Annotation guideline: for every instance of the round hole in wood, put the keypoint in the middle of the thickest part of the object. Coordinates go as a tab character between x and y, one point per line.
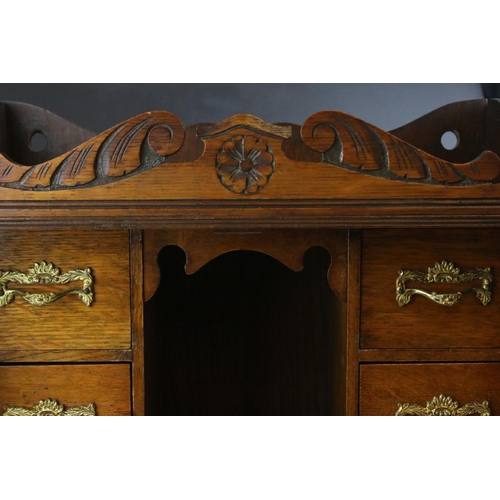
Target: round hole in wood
450	140
38	141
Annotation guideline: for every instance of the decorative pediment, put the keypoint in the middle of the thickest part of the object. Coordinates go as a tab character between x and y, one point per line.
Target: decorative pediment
335	170
244	152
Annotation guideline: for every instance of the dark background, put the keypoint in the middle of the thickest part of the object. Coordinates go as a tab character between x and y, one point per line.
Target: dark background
100	106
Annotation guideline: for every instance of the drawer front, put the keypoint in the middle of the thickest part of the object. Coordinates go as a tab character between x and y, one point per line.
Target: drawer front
418	387
423	323
65	388
66	323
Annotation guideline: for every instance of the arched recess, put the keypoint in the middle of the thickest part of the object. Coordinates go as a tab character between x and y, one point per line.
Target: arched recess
286	245
244	335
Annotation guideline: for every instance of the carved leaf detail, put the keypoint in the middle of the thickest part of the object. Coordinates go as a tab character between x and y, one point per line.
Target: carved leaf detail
132	147
353	144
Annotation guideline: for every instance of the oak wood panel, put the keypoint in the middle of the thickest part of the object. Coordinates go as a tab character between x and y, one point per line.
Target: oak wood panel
352	324
18	122
82	355
148	141
292	180
107	386
418	355
137	304
182	185
383	386
469	119
340	355
423	324
316	214
68	323
288	246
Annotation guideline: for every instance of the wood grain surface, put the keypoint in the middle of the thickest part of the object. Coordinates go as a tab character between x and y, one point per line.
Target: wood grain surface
219	301
474	122
68	323
383	386
288	246
66	356
107	386
142	173
137	308
423	324
352	325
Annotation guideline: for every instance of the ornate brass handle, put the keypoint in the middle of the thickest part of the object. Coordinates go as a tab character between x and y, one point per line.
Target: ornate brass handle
50	408
443	406
45	273
444	272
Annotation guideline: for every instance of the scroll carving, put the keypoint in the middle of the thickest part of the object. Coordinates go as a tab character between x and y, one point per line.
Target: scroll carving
50	408
351	143
134	146
245	161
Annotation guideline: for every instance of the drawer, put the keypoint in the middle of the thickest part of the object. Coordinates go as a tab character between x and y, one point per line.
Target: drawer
107	387
66	323
423	323
419	386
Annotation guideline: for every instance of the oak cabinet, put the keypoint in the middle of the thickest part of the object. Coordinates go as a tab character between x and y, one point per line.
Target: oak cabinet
247	268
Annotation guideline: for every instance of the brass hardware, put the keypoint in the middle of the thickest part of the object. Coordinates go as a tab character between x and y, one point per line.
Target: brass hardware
444	272
50	408
45	273
443	406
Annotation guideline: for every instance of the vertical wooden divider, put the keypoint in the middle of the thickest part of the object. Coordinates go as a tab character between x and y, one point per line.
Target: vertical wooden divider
353	319
137	316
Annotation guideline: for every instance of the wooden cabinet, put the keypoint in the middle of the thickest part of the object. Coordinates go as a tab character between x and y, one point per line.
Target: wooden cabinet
250	268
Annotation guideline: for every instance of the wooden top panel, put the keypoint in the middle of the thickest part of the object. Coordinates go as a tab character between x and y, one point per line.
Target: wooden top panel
152	162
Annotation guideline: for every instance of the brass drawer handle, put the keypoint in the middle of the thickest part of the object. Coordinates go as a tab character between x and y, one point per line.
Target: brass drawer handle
45	273
444	272
443	406
50	408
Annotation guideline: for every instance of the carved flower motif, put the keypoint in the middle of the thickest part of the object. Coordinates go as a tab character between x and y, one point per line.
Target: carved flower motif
245	164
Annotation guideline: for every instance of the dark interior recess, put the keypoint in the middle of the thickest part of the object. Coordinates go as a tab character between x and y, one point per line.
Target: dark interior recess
244	335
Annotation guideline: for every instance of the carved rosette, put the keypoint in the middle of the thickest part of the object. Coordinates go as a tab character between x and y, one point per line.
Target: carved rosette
245	164
50	408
